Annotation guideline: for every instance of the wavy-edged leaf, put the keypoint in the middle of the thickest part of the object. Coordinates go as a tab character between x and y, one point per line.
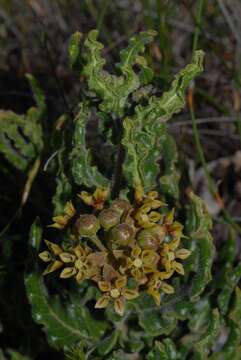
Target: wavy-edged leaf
21	138
108	343
65	323
229	281
62	329
114	90
142	144
202	347
145	132
165	350
84	173
231	348
155	323
169	180
198	224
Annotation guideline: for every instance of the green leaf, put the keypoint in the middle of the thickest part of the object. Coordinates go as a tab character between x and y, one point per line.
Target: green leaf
229	275
169	181
114	90
154	323
142	152
165	350
198	225
62	328
199	316
231	348
38	95
62	193
145	133
202	347
84	173
230	280
65	323
21	137
108	343
74	48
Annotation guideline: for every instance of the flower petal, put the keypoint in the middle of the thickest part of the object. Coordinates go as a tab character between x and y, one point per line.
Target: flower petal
130	294
168	220
121	282
119	306
80	276
67	257
182	254
54	248
67	272
102	302
52	267
45	256
178	268
156	296
163	275
69	209
104	286
166	288
79	251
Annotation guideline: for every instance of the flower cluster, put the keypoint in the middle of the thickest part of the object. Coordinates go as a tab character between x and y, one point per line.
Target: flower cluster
124	249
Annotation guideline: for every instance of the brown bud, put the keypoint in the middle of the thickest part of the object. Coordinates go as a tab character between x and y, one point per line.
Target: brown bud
122	234
121	205
151	238
87	225
109	218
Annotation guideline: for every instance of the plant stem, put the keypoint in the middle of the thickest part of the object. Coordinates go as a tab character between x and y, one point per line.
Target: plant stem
95	240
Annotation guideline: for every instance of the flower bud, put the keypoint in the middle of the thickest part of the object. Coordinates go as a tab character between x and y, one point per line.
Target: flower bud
150	239
121	205
109	218
87	225
122	234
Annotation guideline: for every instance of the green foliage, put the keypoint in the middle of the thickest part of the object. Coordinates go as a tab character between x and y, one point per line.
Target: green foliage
113	90
145	137
83	171
65	325
21	137
74	48
132	125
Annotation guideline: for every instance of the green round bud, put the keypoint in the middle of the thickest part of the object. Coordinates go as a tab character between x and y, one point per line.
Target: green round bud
151	238
109	218
122	234
121	205
87	225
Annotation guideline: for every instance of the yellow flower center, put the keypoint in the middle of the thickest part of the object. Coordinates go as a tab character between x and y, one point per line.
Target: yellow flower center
115	293
137	263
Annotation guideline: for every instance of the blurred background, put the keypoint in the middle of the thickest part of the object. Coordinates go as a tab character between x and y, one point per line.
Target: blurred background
34	38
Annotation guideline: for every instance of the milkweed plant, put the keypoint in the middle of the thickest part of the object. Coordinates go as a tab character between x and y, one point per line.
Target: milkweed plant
126	267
